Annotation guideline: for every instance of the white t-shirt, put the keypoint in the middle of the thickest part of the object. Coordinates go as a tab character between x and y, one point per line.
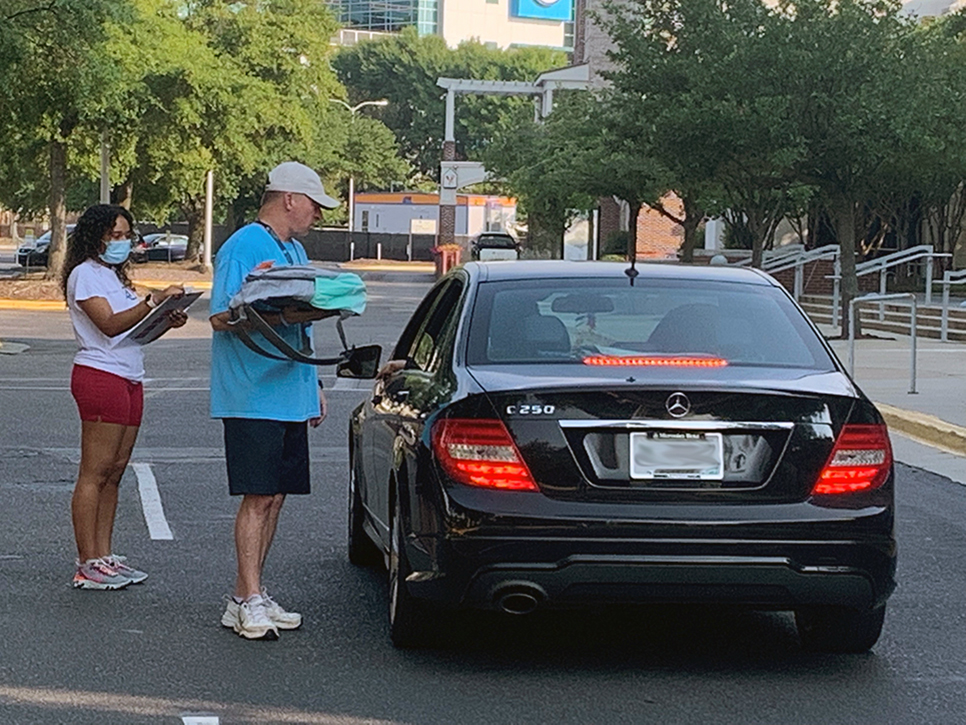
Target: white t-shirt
97	350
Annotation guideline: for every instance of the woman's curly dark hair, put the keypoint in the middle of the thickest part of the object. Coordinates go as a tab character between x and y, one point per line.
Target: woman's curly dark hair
85	241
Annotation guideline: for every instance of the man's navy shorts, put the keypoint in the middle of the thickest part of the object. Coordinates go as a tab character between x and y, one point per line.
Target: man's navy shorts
266	457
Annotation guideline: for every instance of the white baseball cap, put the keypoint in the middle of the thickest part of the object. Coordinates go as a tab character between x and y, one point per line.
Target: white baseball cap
298	178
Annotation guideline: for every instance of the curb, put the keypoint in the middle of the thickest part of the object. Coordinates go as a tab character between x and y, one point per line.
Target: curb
162	283
54	305
925	428
375	271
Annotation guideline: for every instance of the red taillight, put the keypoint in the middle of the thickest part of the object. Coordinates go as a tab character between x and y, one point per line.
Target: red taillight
480	453
860	461
655	361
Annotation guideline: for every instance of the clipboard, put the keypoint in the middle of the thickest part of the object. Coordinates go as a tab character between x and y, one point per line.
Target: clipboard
156	323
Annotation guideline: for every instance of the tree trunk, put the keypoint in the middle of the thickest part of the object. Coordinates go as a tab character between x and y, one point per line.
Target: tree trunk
635	210
235	218
545	236
122	194
58	209
693	216
194	212
842	210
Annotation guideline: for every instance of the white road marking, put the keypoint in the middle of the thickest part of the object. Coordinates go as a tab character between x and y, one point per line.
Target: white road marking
199	720
346	384
151	503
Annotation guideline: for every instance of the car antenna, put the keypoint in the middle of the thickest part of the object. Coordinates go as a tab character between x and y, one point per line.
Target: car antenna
631	271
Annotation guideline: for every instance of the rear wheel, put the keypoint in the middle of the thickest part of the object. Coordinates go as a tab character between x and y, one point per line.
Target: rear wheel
838	629
362	552
411	621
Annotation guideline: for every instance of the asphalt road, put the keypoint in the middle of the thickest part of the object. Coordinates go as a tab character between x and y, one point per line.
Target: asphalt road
156	653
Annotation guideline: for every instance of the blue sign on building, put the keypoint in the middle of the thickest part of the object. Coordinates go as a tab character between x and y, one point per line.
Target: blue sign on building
542	9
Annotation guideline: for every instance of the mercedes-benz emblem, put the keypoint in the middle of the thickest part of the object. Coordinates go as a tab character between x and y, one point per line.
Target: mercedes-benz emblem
678	405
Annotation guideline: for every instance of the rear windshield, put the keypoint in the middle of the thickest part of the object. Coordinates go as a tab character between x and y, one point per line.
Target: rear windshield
497	241
564	321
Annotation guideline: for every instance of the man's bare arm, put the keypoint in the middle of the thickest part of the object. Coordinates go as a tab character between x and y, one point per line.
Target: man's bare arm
288	316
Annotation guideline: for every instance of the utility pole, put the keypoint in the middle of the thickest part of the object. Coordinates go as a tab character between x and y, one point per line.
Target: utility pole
105	170
352	186
209	207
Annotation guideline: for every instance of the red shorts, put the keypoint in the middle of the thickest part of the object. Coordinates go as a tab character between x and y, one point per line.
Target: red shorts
104	397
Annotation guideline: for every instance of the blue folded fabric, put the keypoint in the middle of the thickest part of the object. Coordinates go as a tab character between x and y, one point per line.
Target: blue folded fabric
345	291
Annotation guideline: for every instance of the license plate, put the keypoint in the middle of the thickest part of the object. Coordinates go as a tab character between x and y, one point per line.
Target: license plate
693	456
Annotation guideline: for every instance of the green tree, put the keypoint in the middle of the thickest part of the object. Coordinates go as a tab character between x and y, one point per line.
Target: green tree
566	162
403	68
229	86
58	85
857	77
688	88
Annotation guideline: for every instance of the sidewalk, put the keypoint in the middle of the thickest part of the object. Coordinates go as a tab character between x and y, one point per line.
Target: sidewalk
935	415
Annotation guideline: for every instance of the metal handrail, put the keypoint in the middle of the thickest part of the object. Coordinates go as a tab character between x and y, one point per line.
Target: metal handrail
883	263
774	256
878	297
902	257
949	278
811	255
896	258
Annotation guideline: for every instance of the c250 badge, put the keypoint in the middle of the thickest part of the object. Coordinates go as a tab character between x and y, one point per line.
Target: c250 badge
530	409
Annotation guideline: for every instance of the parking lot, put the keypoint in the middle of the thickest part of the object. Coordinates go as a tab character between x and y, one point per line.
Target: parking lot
156	653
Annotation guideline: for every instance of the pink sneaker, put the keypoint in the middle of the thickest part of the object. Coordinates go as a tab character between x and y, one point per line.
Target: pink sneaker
119	564
96	574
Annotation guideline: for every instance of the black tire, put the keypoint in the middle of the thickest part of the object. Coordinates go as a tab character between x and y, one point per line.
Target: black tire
411	621
362	550
838	629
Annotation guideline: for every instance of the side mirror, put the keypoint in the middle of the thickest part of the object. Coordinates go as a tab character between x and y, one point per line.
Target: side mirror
360	362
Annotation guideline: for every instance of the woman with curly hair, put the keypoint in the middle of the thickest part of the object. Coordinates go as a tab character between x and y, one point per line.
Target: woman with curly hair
105	382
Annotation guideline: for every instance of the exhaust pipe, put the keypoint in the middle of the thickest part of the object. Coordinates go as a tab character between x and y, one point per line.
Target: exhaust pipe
519	599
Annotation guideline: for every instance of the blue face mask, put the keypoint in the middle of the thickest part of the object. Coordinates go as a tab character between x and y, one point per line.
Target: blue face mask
116	252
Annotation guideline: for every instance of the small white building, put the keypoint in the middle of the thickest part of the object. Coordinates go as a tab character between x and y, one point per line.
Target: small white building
418	213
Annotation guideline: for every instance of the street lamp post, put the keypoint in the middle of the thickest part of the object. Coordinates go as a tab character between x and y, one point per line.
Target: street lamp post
352	187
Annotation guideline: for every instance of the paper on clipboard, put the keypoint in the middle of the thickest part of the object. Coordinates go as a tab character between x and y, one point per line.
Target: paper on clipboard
157	323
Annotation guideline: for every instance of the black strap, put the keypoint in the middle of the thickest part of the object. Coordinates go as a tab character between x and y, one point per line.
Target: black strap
277	341
278	241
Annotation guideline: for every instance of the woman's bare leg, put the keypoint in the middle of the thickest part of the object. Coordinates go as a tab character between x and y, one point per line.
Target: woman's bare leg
100	444
107	503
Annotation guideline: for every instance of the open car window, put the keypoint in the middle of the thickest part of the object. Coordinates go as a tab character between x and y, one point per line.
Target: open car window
564	321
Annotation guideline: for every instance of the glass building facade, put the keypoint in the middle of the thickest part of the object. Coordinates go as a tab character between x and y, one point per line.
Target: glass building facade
388	16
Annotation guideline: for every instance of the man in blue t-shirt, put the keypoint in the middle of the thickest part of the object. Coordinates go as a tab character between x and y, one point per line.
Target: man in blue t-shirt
265	404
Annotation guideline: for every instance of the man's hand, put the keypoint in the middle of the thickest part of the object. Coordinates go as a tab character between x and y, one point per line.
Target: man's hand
323	407
294	315
391	367
288	316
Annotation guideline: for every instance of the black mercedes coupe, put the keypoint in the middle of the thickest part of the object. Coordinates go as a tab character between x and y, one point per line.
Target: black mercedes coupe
569	434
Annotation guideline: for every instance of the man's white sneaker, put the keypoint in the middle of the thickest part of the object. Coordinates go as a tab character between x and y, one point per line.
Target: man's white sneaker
252	621
281	618
230	616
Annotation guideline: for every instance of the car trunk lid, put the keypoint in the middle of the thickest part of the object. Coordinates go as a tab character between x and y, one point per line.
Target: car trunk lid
695	437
